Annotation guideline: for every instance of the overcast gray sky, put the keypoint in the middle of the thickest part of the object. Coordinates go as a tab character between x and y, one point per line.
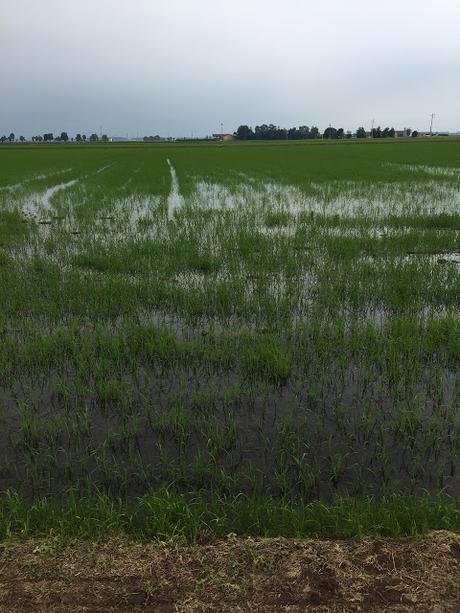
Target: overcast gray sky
182	66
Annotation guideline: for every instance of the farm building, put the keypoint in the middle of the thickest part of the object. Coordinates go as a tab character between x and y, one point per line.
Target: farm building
222	136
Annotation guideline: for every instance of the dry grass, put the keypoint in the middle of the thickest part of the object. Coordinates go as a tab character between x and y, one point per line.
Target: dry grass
374	574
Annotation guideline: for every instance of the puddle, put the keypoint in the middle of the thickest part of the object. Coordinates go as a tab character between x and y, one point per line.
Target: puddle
21	184
104	168
436	171
365	232
41	203
446	258
345	199
175	199
131	210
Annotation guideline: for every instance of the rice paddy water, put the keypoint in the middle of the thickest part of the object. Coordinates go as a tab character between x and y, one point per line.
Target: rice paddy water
278	321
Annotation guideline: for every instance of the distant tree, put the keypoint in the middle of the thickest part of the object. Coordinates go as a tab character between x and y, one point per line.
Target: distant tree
11	137
330	132
48	137
281	134
84	137
244	133
3	139
348	135
64	136
408	131
270	132
78	138
157	137
273	132
105	138
391	133
93	138
304	132
415	133
385	132
300	133
361	133
377	132
22	139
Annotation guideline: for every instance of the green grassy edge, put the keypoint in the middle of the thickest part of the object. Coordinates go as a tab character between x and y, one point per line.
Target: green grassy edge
167	515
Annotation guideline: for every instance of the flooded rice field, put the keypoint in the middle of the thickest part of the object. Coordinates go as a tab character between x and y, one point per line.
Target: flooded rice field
275	320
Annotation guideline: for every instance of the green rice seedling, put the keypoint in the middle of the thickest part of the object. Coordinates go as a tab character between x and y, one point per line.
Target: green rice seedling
276	219
296	295
175	423
267	358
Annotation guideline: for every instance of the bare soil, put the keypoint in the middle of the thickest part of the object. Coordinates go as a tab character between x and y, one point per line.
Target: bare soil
374	574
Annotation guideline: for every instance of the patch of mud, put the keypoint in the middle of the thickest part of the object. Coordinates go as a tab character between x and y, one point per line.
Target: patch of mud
250	574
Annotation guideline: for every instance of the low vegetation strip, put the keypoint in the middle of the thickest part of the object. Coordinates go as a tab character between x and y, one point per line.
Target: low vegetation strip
168	515
233	575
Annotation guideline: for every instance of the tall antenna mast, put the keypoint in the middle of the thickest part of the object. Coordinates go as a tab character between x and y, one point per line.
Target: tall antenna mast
221	127
431	124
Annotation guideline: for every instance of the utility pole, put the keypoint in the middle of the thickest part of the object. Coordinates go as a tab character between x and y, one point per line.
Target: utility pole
372	129
431	124
221	127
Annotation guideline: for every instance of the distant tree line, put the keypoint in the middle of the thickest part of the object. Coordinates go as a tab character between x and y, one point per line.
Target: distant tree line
244	132
11	138
272	132
49	137
385	133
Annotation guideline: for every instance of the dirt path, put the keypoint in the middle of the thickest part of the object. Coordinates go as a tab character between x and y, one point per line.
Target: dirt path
234	575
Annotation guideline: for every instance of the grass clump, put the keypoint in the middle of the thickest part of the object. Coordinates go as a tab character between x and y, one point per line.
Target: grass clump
277	219
12	228
267	358
4	258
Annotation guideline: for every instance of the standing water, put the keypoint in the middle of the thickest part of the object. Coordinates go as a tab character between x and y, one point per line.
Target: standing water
175	198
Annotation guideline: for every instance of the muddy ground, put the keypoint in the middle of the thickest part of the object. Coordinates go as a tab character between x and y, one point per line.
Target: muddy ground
374	574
